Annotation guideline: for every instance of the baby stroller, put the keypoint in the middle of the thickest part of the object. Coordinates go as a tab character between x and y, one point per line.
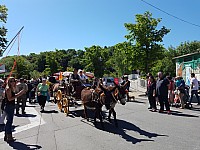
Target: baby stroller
177	102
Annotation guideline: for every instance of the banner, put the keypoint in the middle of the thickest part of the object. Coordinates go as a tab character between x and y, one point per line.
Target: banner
2	68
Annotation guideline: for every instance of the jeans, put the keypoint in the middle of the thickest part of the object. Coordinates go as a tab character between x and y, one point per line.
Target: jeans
196	94
9	109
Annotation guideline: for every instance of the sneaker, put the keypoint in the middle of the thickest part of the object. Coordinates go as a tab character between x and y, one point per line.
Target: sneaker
160	111
153	110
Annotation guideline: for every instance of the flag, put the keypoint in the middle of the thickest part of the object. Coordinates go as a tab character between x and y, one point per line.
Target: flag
2	68
60	76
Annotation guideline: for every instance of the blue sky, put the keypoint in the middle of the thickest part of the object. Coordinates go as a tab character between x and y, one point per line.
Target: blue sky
65	24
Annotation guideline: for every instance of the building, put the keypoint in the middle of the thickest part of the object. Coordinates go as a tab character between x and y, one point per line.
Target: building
187	64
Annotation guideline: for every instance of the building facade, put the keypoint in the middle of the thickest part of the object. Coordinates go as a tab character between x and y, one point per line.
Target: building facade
187	64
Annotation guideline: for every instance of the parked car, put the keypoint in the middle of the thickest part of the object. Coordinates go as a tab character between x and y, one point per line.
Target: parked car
108	81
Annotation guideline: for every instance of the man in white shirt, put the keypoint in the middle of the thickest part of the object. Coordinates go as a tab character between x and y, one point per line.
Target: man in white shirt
194	88
82	76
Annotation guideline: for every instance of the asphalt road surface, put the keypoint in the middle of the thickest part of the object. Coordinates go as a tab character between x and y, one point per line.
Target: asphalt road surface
139	129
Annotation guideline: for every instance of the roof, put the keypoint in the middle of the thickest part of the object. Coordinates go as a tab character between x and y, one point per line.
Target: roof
198	52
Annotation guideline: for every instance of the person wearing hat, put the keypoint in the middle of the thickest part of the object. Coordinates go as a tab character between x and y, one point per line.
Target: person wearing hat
2	103
42	93
22	99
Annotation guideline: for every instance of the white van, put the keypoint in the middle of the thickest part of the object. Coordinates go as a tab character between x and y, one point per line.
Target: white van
108	81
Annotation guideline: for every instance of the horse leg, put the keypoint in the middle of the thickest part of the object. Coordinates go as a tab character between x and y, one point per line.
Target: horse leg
109	115
85	113
101	118
115	119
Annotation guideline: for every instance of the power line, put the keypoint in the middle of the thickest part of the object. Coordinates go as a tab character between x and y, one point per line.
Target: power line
171	14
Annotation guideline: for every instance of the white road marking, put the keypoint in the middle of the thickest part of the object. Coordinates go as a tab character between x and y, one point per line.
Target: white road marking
34	121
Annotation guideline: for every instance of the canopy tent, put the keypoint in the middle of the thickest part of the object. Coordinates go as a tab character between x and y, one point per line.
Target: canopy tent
67	73
89	74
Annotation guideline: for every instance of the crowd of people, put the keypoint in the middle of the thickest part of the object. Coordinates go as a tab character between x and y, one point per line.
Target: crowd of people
165	90
170	91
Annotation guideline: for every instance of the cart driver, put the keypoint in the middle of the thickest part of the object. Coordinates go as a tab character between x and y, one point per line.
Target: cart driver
74	80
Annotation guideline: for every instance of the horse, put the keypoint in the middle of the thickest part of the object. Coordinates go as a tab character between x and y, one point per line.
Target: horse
103	96
111	96
90	100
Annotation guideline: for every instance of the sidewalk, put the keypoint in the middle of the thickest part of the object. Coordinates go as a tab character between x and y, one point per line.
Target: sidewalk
137	91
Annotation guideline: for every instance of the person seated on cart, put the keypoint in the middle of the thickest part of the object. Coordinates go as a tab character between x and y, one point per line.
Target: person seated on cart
82	77
75	81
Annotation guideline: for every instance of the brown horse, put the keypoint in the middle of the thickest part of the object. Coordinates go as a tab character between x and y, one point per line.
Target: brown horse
105	96
111	96
90	100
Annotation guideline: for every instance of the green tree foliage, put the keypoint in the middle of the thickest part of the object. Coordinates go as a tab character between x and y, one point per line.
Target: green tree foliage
3	30
95	60
23	67
187	47
146	39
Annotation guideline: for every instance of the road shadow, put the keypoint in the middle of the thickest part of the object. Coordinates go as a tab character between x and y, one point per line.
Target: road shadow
136	101
123	127
181	114
49	111
31	105
142	95
22	146
195	109
2	128
80	113
25	115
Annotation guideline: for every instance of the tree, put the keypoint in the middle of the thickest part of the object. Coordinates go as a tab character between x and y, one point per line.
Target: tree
187	47
95	61
146	39
23	67
3	30
52	64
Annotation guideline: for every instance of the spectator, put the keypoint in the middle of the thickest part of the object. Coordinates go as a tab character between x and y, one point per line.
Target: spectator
171	89
10	107
22	99
180	87
125	80
42	93
194	88
162	92
152	93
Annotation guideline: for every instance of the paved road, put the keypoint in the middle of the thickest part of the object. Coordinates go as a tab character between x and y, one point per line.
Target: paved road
139	129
